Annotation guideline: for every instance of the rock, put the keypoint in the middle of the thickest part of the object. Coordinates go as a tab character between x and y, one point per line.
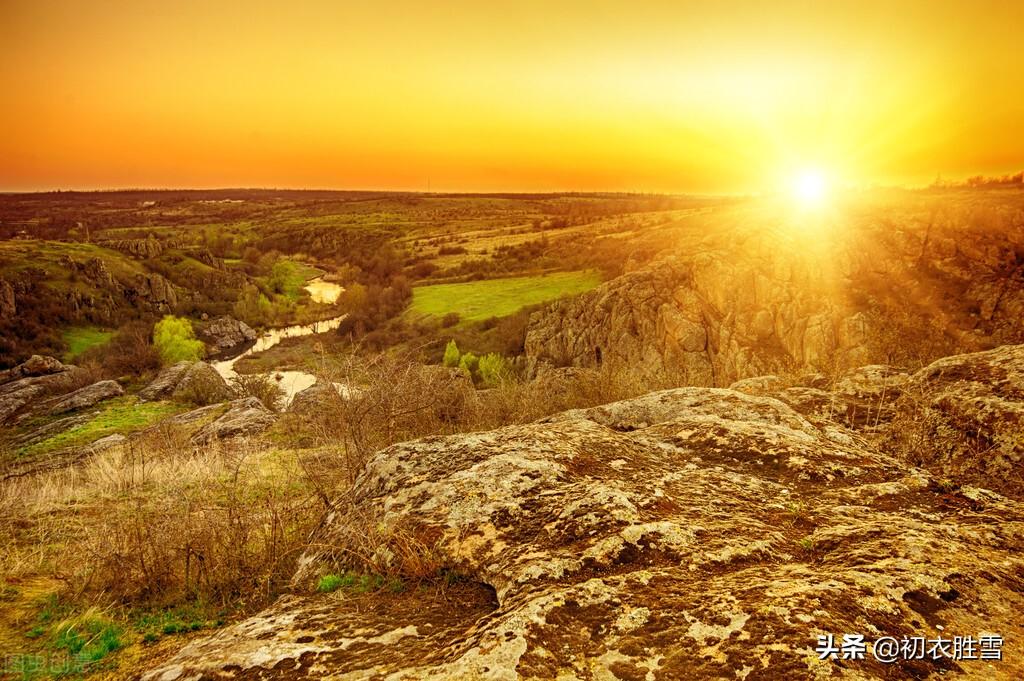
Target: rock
195	382
759	385
743	300
165	382
105	443
201	384
246	416
689	533
224	333
34	380
314	398
963	417
36	365
83	397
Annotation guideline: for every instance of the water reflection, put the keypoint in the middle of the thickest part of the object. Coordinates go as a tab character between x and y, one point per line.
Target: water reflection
291	382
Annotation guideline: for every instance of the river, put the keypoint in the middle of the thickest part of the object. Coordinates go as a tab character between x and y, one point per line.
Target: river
291	382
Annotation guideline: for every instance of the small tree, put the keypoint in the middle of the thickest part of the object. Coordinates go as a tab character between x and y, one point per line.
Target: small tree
451	354
494	369
468	363
175	341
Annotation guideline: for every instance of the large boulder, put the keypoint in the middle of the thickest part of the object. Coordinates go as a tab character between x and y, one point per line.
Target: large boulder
246	416
24	386
201	384
36	365
315	398
690	533
225	333
83	397
188	381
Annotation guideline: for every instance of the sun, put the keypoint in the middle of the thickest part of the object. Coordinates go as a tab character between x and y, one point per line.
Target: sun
810	188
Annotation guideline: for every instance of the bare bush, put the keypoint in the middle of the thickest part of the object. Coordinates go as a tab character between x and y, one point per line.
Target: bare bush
262	387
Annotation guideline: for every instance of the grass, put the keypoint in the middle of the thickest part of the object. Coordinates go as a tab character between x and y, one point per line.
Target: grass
359	583
290	276
478	300
119	415
81	338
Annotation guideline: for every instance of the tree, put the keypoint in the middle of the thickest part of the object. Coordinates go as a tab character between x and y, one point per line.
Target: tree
451	354
175	341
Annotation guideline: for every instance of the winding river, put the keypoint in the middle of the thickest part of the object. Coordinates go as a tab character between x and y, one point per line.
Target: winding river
291	382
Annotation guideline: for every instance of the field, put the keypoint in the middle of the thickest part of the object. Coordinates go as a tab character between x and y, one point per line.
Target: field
478	300
81	338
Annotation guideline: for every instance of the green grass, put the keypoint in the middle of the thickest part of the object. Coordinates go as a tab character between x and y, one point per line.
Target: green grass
290	276
119	415
81	338
359	583
477	300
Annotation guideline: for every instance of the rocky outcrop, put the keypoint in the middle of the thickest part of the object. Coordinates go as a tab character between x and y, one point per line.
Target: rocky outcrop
195	382
962	417
225	333
314	399
36	365
201	384
246	416
165	382
33	380
152	291
751	299
139	248
688	533
82	398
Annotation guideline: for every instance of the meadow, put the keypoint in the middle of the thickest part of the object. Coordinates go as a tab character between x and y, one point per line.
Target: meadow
477	300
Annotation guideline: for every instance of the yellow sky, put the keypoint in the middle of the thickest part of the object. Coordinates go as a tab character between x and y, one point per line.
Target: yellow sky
524	96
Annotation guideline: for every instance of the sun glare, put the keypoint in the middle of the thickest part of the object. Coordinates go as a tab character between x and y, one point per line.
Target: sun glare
810	188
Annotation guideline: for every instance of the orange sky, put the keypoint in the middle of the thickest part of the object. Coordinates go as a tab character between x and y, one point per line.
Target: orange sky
524	96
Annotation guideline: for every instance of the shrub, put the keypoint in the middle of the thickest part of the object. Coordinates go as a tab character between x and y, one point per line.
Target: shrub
494	369
451	354
175	340
450	320
468	363
262	387
129	352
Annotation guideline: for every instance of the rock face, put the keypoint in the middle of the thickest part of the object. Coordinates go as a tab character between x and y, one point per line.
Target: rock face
33	380
225	333
246	416
963	417
749	300
687	534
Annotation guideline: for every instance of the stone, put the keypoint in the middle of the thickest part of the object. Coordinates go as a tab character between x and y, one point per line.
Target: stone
165	382
314	398
36	365
225	333
962	417
688	533
246	416
83	397
201	384
187	381
721	304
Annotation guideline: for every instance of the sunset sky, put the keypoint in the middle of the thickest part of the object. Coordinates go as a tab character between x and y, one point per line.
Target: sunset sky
527	96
